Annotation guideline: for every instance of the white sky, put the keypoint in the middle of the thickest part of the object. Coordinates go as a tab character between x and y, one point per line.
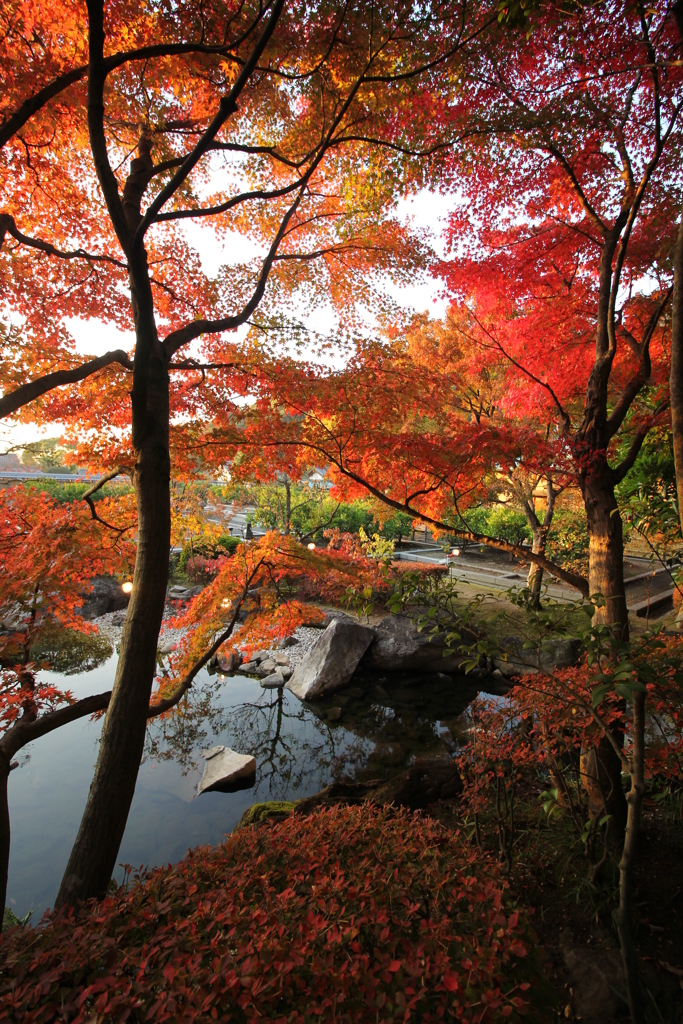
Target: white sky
427	211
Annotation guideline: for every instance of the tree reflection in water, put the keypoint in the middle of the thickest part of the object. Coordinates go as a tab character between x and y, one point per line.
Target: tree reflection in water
294	749
364	732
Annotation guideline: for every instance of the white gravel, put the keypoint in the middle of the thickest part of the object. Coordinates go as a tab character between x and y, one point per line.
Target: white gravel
307	638
110	626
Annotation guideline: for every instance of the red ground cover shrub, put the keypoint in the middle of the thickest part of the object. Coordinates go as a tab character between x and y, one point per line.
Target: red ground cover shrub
350	915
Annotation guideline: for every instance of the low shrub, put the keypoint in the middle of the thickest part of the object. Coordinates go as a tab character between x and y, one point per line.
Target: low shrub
352	914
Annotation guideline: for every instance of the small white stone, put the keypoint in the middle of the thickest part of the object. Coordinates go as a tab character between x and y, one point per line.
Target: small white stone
225	769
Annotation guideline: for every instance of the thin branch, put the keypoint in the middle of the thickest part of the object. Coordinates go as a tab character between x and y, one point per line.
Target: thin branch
580	194
320	526
629	459
87	497
229	204
641	377
227	107
566	421
168	702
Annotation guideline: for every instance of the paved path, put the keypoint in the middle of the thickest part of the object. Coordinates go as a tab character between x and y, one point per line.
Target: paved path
647	583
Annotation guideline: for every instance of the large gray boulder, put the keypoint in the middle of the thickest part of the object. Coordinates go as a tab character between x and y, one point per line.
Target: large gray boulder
106	596
560	652
400	647
226	770
330	664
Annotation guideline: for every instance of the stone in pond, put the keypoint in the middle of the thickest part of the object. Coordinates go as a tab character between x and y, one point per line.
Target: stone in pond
401	647
281	659
227	771
229	662
275	681
329	665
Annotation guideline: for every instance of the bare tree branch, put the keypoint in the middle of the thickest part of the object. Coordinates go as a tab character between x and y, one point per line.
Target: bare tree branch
640	378
9	227
227	107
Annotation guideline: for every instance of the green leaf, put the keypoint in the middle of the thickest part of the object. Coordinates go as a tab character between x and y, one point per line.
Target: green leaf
625	690
599	693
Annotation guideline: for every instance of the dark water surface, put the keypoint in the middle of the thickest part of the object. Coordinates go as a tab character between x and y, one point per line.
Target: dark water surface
370	730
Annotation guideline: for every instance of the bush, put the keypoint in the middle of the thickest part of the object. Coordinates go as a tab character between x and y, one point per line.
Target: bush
194	558
353	914
500	521
227	543
568	540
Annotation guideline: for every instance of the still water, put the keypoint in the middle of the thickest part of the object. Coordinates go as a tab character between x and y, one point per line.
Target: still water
370	730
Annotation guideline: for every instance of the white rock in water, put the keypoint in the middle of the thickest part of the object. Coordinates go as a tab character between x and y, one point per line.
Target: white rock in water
226	770
330	664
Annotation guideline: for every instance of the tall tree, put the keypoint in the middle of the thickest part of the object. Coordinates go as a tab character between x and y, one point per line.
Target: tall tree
291	126
570	276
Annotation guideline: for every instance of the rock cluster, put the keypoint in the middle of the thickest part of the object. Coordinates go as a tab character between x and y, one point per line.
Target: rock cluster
272	668
320	661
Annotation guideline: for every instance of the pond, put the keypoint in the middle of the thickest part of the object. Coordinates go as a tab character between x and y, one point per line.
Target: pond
370	730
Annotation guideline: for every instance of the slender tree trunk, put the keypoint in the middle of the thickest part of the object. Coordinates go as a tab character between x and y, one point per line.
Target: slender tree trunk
93	857
623	916
605	549
539	535
600	765
288	507
535	577
4	831
676	373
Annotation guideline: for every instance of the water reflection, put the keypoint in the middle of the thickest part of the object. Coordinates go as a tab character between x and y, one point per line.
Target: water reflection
370	730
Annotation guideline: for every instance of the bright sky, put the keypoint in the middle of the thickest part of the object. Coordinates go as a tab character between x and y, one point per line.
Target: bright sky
427	211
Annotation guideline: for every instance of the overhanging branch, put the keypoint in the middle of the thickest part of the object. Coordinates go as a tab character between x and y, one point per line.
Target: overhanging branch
21	396
9	227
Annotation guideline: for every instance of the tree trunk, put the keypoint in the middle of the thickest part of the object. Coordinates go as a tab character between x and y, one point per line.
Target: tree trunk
93	857
605	549
539	535
535	577
623	916
676	374
288	507
600	766
4	831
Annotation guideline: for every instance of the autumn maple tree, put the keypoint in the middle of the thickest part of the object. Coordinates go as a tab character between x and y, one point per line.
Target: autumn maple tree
291	126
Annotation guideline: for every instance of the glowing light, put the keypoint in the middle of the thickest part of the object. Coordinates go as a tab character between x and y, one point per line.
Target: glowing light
311	546
127	586
455	551
226	604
